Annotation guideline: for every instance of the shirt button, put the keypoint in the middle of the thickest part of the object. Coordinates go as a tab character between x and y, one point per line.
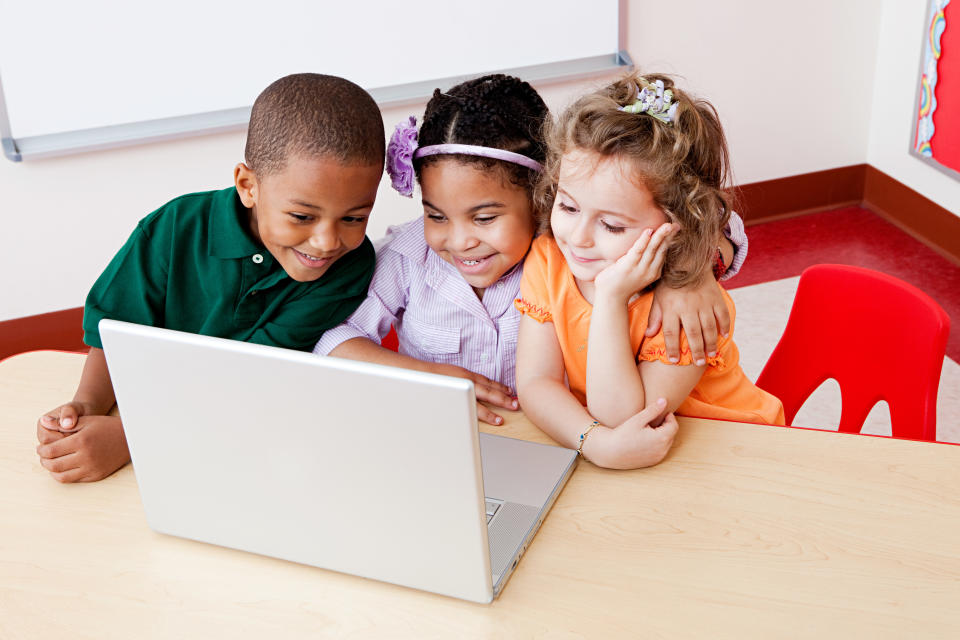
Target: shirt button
254	292
257	258
483	357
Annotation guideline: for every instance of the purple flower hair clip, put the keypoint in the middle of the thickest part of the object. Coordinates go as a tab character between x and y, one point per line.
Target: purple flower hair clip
400	150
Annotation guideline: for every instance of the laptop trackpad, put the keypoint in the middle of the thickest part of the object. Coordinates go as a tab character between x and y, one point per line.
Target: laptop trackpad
521	471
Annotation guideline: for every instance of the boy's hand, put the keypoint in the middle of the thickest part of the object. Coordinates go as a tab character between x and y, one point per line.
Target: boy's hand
637	268
486	390
97	448
634	443
699	310
63	418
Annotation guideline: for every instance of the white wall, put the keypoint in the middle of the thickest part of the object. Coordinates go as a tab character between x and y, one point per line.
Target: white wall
896	75
792	80
793	83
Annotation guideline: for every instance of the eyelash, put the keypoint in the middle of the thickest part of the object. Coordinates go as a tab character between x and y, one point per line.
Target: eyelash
436	217
609	227
612	229
300	218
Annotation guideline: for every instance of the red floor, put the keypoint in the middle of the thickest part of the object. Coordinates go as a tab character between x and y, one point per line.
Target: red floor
854	236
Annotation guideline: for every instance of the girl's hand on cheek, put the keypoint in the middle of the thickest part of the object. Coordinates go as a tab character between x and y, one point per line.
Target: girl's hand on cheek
637	268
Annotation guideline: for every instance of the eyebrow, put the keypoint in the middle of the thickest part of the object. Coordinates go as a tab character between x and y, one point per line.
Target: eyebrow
493	204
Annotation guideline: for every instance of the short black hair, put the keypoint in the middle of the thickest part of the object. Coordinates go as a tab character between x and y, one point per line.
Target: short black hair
498	111
311	114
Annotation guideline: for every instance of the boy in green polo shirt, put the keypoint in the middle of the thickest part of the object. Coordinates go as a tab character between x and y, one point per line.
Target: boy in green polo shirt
277	259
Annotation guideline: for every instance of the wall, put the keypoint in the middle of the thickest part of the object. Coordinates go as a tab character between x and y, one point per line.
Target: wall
794	90
896	76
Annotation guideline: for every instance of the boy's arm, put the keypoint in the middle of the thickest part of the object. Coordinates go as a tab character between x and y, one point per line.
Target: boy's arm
78	441
94	395
549	404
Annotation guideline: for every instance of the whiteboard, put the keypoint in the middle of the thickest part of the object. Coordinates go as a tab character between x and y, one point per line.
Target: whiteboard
81	75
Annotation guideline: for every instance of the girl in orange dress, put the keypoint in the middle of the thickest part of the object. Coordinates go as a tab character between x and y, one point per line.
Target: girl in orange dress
636	175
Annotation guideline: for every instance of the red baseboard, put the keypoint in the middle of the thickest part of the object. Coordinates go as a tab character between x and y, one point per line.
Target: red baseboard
860	185
797	195
913	213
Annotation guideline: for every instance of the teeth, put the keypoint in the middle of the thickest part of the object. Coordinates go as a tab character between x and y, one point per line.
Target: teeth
470	263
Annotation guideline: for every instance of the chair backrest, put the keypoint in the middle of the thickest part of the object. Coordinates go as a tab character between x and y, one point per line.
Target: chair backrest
878	337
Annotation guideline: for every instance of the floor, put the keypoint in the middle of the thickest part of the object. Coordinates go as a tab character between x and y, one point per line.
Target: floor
780	250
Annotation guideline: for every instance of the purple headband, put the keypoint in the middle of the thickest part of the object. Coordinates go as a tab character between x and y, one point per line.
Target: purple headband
402	149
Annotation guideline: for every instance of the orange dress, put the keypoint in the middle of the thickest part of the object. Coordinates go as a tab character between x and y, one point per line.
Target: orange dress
549	293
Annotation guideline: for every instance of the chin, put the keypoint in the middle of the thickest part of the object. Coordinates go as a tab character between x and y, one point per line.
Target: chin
581	273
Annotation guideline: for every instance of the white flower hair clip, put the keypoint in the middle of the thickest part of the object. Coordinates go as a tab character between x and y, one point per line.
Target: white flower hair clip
654	101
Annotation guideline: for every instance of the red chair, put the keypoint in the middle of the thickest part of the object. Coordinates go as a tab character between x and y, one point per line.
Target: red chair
391	341
878	337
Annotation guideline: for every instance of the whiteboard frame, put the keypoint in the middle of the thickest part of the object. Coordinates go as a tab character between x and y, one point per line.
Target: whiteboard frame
163	129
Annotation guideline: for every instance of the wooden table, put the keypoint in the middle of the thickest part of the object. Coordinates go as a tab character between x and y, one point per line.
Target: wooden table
744	531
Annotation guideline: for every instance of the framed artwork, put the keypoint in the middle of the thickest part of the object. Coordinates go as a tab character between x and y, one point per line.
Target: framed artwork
937	121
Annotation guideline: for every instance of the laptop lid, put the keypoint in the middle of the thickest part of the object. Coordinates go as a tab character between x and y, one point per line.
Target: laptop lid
350	466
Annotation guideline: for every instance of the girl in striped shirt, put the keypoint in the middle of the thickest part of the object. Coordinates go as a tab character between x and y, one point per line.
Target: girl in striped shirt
447	281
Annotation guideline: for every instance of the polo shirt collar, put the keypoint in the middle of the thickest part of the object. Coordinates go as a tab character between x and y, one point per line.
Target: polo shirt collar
227	231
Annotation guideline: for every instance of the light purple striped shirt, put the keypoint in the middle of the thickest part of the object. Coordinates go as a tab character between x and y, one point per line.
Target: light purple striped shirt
437	315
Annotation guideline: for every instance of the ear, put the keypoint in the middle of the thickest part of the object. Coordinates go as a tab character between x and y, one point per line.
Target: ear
248	187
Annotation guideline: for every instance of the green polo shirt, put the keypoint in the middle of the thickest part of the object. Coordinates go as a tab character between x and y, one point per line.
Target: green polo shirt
192	265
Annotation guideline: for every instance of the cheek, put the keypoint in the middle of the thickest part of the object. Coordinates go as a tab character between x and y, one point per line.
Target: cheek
433	236
352	238
516	241
270	232
556	223
618	245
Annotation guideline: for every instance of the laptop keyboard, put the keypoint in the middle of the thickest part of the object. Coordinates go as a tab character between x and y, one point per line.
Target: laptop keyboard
492	506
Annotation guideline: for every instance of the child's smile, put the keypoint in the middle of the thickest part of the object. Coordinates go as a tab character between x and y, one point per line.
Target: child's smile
475	220
311	213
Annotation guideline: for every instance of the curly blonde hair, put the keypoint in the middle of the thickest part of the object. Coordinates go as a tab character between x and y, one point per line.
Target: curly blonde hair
684	164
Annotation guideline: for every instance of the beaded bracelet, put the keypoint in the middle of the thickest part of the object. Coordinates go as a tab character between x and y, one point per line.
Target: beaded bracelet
583	436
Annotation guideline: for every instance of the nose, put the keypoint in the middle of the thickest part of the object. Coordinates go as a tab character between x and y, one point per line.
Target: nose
325	238
581	234
462	237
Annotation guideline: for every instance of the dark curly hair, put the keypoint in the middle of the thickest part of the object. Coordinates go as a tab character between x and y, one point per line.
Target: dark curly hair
684	165
310	114
497	111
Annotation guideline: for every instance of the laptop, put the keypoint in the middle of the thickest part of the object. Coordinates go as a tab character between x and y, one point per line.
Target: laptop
350	466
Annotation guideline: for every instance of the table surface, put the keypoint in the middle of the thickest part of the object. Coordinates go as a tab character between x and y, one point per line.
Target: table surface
743	531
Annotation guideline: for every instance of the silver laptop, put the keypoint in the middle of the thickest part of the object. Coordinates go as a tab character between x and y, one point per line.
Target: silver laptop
355	467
